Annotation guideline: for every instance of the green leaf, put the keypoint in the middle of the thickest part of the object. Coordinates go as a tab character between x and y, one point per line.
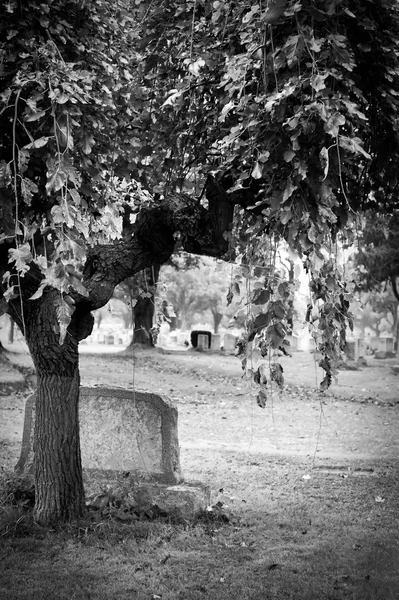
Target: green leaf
289	155
39	292
39	143
257	171
334	123
276	374
353	145
64	311
289	190
276	334
22	257
77	285
325	161
261	398
260	296
317	82
261	321
5	173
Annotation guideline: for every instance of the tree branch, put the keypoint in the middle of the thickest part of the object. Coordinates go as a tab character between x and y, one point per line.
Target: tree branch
395	287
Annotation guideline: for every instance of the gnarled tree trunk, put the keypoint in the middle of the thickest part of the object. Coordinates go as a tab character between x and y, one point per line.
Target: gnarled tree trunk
58	469
59	493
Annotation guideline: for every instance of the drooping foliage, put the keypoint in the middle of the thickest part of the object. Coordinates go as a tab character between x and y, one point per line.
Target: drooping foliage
290	108
66	97
287	110
377	256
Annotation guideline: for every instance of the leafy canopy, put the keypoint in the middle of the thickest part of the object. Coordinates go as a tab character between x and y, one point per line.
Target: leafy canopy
287	111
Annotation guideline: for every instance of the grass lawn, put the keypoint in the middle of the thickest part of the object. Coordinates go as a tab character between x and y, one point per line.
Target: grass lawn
293	521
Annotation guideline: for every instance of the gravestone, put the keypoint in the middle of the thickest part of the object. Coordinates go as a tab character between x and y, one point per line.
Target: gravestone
350	349
360	348
129	444
374	342
120	430
385	343
203	342
229	343
196	333
215	342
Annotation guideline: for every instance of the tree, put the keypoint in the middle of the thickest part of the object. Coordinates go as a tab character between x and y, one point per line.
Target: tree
286	116
377	263
138	293
180	291
377	257
213	282
198	288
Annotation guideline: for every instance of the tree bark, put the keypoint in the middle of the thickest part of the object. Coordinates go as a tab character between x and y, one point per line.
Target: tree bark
11	332
59	492
143	320
144	309
58	471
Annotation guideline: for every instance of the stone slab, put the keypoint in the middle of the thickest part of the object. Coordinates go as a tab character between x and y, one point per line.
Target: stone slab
120	430
203	342
183	500
229	343
216	342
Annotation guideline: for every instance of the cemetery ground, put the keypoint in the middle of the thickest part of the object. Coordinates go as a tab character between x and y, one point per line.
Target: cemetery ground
305	492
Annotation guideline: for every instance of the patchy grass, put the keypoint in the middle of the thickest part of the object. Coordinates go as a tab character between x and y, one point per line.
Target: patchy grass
310	486
332	536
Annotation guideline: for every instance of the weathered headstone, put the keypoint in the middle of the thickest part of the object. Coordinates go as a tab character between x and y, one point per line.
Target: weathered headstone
203	342
229	343
215	342
194	337
385	343
129	445
120	430
360	348
350	349
293	340
374	343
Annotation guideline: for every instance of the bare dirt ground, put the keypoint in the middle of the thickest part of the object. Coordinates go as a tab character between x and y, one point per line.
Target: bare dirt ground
312	479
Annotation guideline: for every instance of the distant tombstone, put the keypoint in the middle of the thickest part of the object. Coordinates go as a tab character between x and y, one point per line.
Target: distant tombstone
194	337
385	344
374	343
120	431
360	348
215	341
293	340
163	339
110	339
229	343
203	342
350	349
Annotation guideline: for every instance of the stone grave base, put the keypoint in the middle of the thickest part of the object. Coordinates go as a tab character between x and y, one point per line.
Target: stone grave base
184	500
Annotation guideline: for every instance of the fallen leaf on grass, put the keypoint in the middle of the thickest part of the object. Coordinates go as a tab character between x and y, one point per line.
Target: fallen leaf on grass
379	499
306	477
